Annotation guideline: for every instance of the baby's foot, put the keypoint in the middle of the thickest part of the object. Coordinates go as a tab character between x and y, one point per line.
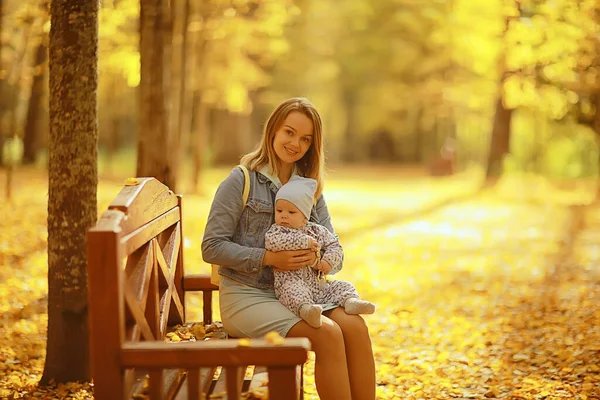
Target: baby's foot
358	306
311	313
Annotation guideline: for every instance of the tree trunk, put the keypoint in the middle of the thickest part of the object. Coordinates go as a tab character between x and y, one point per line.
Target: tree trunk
188	84
226	137
31	139
154	153
16	74
419	155
113	127
72	184
500	141
200	142
352	145
180	70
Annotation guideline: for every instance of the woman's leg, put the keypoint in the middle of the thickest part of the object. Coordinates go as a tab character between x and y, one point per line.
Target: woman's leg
331	368
359	353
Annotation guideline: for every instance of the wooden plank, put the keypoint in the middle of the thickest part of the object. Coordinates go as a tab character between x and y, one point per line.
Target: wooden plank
165	304
164	278
198	282
164	272
171	307
293	351
234	377
193	384
170	249
179	266
106	308
283	383
138	315
137	271
143	202
153	303
176	313
155	389
207	307
109	221
143	234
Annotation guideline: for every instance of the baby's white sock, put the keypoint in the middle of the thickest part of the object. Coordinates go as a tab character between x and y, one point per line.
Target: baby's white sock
311	313
358	306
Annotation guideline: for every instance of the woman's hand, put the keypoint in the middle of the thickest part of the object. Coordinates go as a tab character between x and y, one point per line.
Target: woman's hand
289	260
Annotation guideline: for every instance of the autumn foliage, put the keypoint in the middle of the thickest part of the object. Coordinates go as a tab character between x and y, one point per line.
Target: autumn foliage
481	294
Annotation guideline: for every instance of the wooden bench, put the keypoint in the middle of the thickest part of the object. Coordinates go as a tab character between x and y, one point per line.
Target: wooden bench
137	287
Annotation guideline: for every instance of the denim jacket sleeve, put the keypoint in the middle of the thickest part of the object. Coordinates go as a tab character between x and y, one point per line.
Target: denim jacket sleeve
325	220
224	216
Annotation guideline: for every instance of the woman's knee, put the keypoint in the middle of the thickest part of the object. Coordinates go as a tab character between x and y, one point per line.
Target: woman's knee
352	325
328	338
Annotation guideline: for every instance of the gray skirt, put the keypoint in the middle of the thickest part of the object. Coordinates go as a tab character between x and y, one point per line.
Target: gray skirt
251	312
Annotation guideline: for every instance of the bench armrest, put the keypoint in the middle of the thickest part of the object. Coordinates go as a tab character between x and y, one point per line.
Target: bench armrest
198	282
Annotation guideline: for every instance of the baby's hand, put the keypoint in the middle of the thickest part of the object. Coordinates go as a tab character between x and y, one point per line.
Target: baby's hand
324	267
314	245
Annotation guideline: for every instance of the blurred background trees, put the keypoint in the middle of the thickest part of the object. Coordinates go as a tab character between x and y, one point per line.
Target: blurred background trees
504	85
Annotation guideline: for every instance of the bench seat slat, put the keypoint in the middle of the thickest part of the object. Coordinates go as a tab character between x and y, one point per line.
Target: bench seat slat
292	352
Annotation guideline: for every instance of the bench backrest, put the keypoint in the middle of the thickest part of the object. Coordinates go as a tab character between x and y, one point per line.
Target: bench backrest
135	278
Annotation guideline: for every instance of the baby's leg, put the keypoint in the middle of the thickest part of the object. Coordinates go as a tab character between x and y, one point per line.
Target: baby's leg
344	293
296	295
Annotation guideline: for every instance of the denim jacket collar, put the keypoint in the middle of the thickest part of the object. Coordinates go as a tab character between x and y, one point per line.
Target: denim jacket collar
264	175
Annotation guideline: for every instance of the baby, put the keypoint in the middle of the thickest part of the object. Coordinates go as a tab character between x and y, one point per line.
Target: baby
305	291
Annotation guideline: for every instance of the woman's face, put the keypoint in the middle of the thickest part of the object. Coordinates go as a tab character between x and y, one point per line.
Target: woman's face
293	138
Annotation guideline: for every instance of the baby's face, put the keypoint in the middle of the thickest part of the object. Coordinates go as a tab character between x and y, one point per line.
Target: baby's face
287	214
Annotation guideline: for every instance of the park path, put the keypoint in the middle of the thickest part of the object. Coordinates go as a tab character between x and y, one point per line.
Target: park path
490	297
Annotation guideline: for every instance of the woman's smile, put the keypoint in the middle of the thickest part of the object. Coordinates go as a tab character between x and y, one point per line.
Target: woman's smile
290	151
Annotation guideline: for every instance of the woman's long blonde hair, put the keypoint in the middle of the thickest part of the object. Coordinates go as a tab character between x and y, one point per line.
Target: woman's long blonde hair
312	165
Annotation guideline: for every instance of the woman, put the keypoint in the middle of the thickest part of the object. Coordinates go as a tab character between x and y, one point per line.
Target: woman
234	238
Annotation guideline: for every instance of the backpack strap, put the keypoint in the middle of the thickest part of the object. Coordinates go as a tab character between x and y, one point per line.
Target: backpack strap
215	278
246	191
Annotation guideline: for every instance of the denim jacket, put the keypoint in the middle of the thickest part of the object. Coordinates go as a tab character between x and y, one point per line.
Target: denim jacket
234	238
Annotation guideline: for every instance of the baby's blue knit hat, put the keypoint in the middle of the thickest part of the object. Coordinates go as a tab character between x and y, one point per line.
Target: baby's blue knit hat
300	192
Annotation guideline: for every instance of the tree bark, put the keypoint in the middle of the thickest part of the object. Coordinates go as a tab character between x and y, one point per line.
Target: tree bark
72	184
200	142
188	83
419	155
154	153
180	68
31	138
114	116
500	141
352	147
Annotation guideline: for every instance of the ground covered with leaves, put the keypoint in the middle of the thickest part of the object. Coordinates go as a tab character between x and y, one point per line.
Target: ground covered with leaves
481	294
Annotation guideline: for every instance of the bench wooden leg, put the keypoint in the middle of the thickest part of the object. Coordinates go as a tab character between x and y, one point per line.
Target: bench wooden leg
283	383
156	384
234	376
